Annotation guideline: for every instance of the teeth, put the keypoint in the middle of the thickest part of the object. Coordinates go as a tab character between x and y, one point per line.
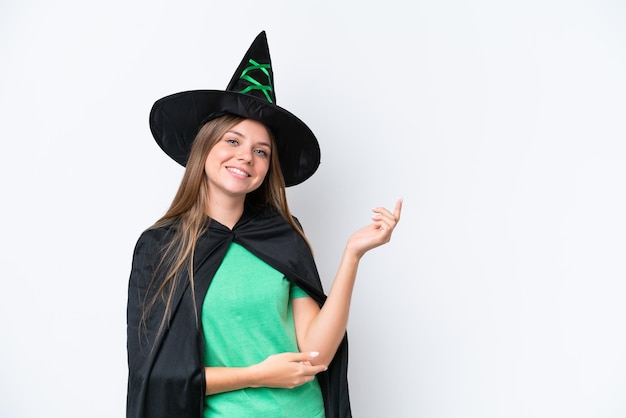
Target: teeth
238	171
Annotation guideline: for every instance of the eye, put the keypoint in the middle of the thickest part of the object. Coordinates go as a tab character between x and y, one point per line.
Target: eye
261	152
232	141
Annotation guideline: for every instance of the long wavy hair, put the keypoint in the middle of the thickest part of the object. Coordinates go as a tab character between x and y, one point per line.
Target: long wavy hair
188	217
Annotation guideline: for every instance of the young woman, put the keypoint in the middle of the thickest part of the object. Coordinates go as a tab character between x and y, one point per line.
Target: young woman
226	312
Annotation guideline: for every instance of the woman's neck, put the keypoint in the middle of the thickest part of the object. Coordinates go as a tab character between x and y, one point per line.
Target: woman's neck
227	211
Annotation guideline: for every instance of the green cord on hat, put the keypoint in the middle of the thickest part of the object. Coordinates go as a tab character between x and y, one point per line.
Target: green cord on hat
256	85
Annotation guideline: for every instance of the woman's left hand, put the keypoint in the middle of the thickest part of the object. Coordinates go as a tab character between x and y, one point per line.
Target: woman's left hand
377	233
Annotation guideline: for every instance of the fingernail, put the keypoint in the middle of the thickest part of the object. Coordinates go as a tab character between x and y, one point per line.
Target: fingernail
314	354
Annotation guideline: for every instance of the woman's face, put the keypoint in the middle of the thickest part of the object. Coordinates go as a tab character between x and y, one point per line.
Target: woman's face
238	162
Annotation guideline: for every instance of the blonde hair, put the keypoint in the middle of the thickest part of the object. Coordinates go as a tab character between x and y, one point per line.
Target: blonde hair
187	213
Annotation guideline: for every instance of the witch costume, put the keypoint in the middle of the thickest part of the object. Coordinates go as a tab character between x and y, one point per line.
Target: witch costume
166	366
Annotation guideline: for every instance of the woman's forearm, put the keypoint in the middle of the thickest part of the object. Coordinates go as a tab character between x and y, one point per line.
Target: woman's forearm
327	328
226	379
283	370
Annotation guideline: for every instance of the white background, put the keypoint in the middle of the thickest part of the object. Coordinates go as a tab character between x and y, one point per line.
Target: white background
502	124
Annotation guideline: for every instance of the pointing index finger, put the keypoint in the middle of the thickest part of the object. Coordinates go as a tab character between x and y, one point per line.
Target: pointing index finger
398	209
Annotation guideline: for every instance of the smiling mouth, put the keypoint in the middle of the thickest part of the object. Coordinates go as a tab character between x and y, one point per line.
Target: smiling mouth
237	171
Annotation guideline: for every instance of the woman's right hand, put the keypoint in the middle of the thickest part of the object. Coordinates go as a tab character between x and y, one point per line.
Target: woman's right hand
286	370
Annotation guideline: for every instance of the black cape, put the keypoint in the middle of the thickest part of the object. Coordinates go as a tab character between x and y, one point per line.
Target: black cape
166	370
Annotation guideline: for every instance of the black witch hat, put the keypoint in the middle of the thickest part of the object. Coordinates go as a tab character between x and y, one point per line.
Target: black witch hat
175	120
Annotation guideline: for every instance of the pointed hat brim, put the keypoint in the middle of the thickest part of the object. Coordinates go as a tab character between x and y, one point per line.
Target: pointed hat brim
176	119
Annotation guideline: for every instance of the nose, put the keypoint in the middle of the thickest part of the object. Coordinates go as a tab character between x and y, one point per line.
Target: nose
244	154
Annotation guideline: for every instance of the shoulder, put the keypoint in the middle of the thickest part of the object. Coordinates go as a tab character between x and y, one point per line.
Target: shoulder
154	239
148	255
158	233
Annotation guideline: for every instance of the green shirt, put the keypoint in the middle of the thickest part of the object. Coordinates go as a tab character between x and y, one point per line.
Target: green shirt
246	317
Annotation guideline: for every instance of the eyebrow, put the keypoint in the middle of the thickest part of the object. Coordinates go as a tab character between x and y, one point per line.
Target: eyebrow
235	132
266	144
